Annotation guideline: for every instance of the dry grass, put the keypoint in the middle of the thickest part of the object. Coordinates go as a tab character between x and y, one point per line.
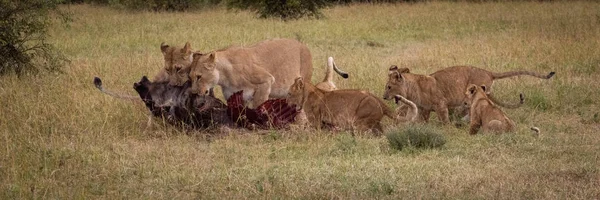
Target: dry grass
60	138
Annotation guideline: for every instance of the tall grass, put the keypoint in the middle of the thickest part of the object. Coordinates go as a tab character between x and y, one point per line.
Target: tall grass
61	138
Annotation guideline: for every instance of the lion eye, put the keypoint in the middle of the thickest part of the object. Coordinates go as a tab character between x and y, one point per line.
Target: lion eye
389	87
199	77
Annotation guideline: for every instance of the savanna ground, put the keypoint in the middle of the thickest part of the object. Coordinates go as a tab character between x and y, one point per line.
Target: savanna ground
61	138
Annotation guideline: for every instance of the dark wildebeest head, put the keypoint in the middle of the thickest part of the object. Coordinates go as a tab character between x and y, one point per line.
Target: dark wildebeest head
179	106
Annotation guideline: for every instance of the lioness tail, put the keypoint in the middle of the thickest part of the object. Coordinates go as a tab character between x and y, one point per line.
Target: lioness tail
331	65
535	130
411	115
519	73
505	105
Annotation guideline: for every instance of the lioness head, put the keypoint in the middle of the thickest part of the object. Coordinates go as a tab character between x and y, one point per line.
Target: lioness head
177	63
203	72
296	95
395	85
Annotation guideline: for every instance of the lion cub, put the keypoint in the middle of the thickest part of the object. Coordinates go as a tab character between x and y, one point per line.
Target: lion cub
444	89
484	112
347	109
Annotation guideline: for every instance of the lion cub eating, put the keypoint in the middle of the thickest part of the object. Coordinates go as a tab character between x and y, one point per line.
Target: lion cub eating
347	109
484	113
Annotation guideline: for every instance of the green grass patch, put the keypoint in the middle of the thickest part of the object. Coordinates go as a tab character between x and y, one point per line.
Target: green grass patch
416	137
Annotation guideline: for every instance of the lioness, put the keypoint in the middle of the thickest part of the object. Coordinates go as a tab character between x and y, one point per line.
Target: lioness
264	70
346	108
177	64
443	89
484	113
327	83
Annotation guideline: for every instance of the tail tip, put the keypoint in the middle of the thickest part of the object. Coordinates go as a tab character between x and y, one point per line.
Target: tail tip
535	130
345	75
522	98
397	98
98	82
550	75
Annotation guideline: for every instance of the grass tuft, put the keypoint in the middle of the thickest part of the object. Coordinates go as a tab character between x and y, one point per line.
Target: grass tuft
416	136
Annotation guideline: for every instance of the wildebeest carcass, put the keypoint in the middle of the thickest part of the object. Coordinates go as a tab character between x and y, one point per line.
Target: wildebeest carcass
273	113
179	107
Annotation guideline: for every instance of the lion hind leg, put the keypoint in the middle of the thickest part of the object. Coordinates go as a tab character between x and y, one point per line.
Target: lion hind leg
377	129
496	126
369	125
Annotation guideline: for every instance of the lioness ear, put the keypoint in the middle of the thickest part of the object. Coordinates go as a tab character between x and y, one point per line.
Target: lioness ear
471	89
187	48
403	70
163	47
396	76
393	68
197	55
484	88
299	82
212	57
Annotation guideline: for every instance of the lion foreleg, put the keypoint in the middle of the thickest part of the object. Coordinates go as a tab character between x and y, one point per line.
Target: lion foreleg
474	127
424	116
263	81
301	118
475	123
316	120
442	112
261	94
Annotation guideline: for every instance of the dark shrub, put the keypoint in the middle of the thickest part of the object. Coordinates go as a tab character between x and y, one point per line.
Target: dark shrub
284	9
167	5
23	30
